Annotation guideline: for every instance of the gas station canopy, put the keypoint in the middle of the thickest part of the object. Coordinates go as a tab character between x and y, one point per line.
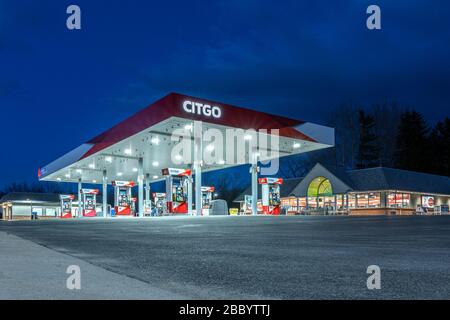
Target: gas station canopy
147	137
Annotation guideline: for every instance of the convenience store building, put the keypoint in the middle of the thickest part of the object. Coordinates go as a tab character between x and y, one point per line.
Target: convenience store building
329	189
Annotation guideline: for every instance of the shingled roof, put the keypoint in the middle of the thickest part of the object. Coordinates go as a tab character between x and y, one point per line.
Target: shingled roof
371	179
381	178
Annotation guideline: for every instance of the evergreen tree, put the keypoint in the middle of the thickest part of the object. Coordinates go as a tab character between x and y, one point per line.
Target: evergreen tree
368	152
440	146
412	146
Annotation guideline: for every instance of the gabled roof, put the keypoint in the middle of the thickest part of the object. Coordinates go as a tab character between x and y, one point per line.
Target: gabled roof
285	189
362	180
381	178
35	197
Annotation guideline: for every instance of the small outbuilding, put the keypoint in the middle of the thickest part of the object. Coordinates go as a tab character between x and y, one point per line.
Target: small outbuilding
21	205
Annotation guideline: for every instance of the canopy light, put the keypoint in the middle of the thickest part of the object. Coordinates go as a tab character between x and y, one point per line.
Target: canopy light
155	177
155	140
94	181
127	151
221	162
296	145
119	174
135	169
92	166
108	159
155	163
248	137
188	127
210	147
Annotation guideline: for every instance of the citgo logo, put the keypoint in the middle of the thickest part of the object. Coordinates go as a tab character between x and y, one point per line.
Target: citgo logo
202	109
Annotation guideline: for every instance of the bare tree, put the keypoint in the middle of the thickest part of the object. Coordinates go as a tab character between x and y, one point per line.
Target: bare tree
346	123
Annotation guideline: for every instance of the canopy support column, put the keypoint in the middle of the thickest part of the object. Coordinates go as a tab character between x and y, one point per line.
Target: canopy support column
80	186
147	192
105	194
189	192
141	187
254	178
198	153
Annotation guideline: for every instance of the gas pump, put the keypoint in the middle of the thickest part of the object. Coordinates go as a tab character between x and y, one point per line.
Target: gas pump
89	202
207	195
160	202
66	205
123	202
176	189
270	195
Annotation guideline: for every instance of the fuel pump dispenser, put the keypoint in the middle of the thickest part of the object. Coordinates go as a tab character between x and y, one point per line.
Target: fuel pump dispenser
270	195
66	205
159	199
123	202
89	202
207	195
176	190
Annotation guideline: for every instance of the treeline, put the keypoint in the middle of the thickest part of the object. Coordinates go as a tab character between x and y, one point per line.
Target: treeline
38	187
387	135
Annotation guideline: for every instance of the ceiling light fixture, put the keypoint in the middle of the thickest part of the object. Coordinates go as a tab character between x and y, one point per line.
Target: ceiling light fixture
155	140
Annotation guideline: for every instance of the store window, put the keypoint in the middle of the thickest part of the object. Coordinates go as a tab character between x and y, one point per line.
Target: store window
289	203
50	212
302	203
312	202
399	200
374	200
362	200
352	200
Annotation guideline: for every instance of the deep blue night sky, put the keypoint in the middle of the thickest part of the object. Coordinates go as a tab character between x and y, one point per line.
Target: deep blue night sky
59	88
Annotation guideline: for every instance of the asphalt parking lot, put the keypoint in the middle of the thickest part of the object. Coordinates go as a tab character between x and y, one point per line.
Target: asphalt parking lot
259	257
